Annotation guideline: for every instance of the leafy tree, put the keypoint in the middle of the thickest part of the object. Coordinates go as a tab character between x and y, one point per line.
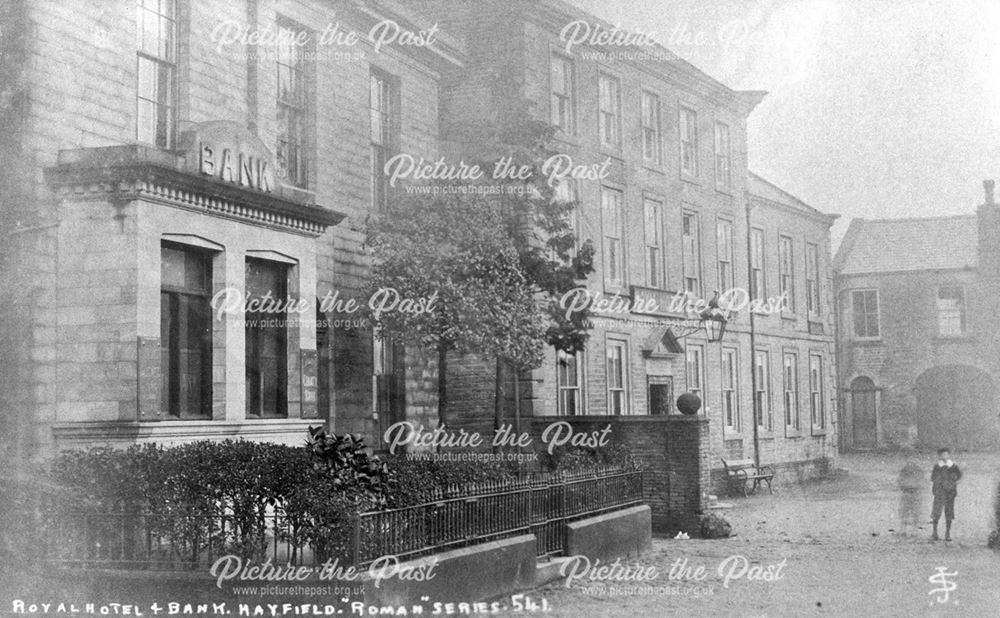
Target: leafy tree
499	257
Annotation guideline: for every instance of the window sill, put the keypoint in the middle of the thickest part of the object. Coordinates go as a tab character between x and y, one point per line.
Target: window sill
954	338
820	431
728	191
692	180
764	434
656	168
621	289
610	150
873	341
570	139
793	434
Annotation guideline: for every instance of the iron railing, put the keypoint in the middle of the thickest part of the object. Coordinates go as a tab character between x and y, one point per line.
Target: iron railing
455	516
167	541
540	504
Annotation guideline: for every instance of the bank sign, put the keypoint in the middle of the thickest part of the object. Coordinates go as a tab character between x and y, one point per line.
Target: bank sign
229	164
230	153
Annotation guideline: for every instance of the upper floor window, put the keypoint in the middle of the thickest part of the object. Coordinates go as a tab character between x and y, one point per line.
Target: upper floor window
786	273
951	311
654	243
156	98
650	121
689	141
292	106
382	111
757	287
565	192
186	331
724	248
562	102
609	110
723	156
691	244
812	278
613	221
569	375
617	368
696	370
864	310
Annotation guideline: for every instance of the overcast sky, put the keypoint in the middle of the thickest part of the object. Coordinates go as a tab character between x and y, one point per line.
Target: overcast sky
876	108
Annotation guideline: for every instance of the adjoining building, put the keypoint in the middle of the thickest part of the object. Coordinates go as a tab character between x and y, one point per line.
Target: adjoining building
163	153
917	336
669	220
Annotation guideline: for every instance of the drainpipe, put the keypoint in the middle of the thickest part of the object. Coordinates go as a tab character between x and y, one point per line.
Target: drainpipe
753	341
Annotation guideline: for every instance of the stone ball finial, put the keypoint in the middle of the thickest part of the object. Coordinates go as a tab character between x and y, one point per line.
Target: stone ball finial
689	403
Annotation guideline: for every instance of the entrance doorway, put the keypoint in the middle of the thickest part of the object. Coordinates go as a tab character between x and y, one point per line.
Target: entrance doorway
864	413
661	394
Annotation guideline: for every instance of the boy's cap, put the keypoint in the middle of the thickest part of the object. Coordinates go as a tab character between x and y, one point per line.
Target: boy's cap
942	451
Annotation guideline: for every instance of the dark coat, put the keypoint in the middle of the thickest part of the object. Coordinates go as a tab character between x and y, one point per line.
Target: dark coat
944	480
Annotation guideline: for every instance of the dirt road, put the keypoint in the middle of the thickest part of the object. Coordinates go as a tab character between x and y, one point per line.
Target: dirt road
830	548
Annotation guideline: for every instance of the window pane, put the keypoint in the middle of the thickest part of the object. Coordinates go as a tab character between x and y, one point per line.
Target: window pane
185	332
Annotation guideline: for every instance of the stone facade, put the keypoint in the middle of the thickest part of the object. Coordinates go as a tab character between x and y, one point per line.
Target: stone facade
694	203
926	375
90	204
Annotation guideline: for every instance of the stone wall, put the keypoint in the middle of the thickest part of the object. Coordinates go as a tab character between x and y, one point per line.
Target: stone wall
673	453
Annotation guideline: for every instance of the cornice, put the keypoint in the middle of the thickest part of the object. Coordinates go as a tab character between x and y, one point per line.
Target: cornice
136	173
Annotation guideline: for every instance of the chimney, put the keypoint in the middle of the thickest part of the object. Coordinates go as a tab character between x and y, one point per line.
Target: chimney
988	190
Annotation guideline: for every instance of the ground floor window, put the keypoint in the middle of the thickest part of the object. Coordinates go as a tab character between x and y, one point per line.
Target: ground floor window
762	398
730	394
388	378
816	411
266	341
185	331
617	359
696	370
791	390
568	372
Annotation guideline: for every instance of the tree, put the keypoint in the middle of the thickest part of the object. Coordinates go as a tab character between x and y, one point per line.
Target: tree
498	257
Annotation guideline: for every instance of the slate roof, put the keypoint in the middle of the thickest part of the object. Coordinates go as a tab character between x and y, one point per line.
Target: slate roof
761	188
894	245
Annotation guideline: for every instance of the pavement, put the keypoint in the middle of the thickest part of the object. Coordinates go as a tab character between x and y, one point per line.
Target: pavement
827	548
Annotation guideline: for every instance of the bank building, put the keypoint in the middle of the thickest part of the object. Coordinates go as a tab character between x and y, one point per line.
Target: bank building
158	154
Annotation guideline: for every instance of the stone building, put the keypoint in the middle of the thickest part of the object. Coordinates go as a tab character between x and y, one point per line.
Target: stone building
162	153
668	221
917	336
158	153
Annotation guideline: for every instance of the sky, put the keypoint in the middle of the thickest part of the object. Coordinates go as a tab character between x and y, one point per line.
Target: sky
875	108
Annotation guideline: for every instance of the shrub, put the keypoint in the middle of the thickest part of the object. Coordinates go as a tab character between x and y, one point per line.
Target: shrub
578	458
715	527
216	494
413	481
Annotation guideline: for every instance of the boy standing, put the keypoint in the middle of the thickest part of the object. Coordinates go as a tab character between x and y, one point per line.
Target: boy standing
944	486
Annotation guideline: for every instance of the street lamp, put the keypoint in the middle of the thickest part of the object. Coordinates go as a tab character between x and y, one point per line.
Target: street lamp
714	319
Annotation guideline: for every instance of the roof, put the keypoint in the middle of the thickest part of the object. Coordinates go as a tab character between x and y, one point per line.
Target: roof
767	190
894	245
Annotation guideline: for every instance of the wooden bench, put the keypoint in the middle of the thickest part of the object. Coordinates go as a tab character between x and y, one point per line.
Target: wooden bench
746	473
